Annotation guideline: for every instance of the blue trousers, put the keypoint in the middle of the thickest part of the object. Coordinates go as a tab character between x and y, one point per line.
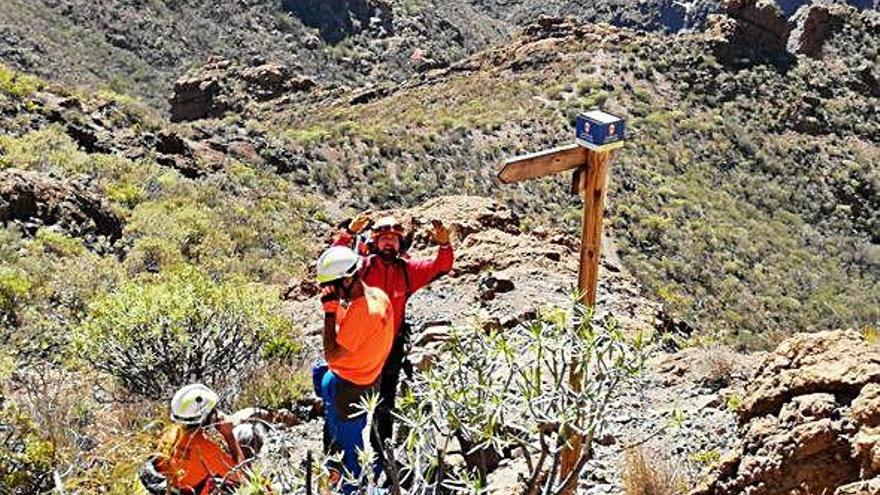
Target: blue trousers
346	434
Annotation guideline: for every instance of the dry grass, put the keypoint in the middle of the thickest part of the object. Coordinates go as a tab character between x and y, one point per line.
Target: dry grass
60	404
97	446
716	365
650	473
124	435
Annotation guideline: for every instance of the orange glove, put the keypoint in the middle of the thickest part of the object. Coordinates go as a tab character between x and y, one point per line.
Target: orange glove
360	222
440	234
330	299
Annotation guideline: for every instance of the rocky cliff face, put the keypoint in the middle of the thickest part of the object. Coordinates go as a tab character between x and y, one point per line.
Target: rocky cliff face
809	422
34	200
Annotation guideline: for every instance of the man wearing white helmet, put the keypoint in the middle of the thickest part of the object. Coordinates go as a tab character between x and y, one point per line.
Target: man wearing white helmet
387	267
196	463
358	334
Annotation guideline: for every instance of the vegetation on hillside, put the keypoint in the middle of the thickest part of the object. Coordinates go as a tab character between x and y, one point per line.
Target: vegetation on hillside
747	200
141	49
746	197
199	260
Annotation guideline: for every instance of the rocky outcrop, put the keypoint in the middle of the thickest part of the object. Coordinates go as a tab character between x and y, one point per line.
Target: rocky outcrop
814	24
466	215
34	200
270	80
810	422
220	86
750	28
811	27
502	274
202	94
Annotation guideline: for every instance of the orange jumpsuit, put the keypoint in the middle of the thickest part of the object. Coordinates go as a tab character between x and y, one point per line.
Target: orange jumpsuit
194	460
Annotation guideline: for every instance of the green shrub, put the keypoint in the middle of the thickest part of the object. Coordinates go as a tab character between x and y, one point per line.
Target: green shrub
26	459
61	276
505	390
246	222
274	386
14	287
280	381
152	255
17	84
48	149
157	333
57	243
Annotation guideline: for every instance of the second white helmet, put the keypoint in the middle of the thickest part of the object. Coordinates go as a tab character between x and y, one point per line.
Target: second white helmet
336	263
192	404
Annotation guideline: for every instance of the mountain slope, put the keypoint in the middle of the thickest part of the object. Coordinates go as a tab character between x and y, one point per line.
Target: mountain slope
746	197
139	48
746	201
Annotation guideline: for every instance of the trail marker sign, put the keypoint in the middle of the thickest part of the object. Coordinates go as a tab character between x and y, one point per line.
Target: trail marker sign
599	131
596	134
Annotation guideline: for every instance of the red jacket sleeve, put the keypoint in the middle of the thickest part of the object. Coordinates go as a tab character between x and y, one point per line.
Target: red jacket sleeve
343	239
423	272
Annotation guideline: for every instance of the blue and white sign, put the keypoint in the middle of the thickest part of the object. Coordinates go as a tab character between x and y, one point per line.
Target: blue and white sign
599	131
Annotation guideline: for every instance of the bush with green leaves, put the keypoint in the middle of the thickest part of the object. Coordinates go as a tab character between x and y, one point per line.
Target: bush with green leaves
159	332
26	459
490	394
27	456
14	287
46	283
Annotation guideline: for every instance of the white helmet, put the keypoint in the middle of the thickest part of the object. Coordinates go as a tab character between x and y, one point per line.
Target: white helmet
337	262
192	404
387	225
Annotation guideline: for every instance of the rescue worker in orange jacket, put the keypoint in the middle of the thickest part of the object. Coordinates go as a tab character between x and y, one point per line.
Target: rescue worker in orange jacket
358	334
388	268
194	462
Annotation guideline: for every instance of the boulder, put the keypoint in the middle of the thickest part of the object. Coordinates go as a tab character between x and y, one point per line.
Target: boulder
301	83
809	421
271	80
220	86
811	28
266	76
750	29
498	250
204	93
831	362
36	199
466	215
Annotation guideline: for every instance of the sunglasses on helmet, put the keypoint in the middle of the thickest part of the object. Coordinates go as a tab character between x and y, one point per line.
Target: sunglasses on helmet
397	228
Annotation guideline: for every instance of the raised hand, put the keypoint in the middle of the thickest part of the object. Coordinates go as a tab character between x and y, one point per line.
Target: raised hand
360	222
330	299
440	234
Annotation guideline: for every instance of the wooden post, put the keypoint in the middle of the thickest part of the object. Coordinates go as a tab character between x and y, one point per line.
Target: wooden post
593	193
597	134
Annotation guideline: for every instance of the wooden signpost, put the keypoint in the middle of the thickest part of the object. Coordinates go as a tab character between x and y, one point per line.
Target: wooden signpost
596	135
